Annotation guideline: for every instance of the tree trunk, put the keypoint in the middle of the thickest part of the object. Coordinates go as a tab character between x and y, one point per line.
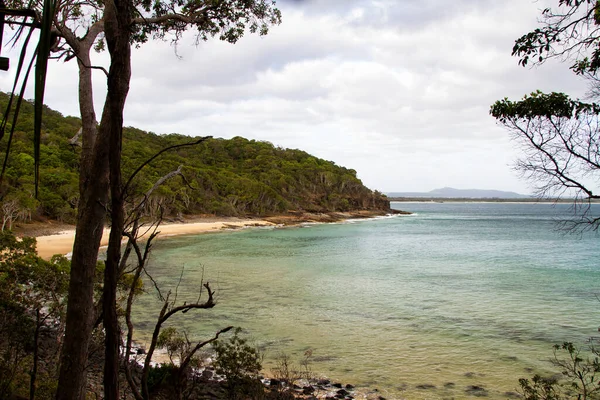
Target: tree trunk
93	189
88	116
116	26
80	306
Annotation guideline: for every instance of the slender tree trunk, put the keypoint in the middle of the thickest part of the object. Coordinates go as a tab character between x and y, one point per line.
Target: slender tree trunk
80	307
93	192
88	117
36	344
116	26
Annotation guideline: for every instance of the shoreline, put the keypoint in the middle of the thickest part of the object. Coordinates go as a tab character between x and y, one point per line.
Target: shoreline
58	238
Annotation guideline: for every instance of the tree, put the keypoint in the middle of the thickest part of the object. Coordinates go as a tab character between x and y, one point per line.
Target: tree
78	27
560	139
559	136
32	293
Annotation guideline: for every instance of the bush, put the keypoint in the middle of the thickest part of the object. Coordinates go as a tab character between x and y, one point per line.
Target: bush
578	378
239	363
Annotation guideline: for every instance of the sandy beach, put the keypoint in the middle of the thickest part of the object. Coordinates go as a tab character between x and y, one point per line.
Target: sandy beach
58	239
62	242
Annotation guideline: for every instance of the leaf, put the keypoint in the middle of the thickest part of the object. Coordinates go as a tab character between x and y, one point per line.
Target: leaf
41	68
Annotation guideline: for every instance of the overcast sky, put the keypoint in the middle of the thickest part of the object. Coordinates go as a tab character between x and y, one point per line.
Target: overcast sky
398	90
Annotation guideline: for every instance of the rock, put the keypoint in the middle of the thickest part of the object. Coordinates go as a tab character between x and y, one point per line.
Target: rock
343	392
449	385
323	382
308	390
275	382
337	385
140	351
349	387
512	395
477	391
207	374
426	386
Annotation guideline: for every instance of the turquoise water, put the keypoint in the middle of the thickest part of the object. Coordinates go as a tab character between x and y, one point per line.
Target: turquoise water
456	295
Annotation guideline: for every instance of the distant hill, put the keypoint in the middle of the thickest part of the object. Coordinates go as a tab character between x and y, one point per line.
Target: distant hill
451	193
234	177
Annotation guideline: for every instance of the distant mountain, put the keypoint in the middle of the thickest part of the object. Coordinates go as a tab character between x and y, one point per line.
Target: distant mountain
451	193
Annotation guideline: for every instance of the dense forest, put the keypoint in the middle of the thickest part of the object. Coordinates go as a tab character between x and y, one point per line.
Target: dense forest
235	177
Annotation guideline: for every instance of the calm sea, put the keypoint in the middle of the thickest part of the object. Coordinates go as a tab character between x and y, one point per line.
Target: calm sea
425	306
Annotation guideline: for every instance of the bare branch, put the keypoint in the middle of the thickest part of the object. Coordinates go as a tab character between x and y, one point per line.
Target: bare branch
177	146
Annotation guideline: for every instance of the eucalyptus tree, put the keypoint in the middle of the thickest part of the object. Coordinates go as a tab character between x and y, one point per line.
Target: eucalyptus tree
78	28
560	136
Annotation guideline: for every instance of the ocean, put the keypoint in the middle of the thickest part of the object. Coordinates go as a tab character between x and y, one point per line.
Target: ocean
456	300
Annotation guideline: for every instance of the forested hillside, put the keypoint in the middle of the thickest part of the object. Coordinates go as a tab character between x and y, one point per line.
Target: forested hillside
233	177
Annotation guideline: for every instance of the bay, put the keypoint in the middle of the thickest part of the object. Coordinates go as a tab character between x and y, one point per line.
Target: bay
431	305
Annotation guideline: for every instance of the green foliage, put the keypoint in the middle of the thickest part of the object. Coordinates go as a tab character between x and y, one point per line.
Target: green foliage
174	342
539	388
32	296
238	362
578	379
234	177
160	376
570	31
230	19
543	105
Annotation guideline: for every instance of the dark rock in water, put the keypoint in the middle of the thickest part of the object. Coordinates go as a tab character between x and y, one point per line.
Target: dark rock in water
449	385
207	374
470	374
381	398
349	387
426	386
140	351
275	382
512	395
343	392
477	391
337	385
308	390
323	382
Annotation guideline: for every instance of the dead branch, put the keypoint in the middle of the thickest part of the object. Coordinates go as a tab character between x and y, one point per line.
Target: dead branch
184	363
148	161
167	311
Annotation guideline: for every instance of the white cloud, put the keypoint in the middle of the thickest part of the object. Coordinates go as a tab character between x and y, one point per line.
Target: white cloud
397	90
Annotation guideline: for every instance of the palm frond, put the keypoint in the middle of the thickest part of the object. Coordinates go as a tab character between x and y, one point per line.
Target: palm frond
41	69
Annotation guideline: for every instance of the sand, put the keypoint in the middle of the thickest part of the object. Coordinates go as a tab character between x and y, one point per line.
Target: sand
62	242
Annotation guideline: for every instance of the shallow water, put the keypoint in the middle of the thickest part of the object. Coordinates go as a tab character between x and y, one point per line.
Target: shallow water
456	295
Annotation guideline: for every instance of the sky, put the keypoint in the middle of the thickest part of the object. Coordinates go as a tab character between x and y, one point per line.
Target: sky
398	90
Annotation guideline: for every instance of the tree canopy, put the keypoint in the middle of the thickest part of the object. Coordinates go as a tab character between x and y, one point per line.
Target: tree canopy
223	177
560	136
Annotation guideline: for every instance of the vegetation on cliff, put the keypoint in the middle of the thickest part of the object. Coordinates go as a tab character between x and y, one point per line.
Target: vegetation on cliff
232	177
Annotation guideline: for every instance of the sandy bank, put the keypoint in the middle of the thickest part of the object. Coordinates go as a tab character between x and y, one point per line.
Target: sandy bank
62	242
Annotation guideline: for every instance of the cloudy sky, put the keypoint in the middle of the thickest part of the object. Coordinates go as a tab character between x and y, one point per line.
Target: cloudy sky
398	90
